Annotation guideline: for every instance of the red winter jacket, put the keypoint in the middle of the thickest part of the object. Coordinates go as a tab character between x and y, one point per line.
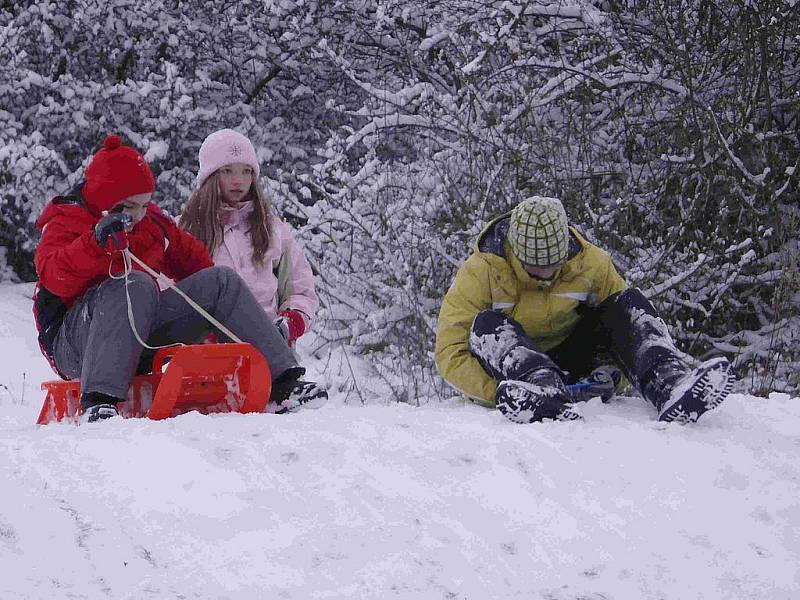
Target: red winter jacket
69	260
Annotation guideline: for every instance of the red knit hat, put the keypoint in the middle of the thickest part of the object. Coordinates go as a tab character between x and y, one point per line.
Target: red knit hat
115	173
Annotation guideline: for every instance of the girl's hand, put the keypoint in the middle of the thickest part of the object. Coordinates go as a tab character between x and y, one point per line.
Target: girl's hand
291	325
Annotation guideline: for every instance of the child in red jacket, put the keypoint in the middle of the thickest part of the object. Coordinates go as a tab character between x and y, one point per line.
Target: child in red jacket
82	300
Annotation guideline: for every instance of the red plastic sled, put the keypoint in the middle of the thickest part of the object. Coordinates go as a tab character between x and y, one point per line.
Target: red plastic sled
208	378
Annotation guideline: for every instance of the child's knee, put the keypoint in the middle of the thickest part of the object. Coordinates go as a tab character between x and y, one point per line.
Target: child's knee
226	277
139	286
224	272
142	287
488	321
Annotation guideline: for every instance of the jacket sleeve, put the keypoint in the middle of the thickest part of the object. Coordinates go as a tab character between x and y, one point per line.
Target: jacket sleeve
469	294
68	262
185	254
610	281
295	278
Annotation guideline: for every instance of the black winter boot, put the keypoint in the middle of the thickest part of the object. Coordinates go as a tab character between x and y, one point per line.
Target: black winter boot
682	394
542	395
289	394
97	407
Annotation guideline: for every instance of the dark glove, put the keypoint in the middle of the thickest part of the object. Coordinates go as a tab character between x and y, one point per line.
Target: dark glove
110	231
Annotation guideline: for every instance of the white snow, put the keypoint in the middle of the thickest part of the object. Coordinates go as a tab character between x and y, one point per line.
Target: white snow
391	501
157	151
495	348
658	332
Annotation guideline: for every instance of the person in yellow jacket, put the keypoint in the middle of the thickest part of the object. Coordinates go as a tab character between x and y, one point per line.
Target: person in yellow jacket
537	308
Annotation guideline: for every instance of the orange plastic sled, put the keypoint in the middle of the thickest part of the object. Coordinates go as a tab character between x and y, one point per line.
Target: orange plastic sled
208	378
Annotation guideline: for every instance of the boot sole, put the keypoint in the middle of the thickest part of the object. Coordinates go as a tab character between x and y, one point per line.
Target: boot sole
708	392
521	408
101	415
314	403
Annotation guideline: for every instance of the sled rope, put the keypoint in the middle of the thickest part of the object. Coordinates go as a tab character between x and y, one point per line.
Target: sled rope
127	257
171	285
131	321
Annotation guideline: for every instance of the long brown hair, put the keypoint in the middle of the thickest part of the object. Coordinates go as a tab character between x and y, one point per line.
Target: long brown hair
202	216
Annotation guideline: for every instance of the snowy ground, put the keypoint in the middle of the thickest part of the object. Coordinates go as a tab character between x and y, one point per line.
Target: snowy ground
390	501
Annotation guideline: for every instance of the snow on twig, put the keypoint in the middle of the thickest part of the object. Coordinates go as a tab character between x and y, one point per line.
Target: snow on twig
757	180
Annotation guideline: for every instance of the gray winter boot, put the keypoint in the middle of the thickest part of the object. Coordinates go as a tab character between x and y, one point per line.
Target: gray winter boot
682	394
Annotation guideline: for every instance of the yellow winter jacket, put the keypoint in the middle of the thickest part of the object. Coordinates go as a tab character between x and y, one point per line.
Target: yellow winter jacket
493	278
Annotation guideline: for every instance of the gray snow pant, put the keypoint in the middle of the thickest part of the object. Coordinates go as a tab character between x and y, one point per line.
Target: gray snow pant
96	344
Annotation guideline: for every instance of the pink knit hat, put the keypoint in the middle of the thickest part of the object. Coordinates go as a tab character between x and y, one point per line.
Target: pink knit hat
225	147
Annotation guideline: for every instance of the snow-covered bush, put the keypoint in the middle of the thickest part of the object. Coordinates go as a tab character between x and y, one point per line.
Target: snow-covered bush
668	130
391	132
6	272
162	74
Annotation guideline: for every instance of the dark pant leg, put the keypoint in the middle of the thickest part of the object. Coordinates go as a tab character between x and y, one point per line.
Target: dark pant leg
606	334
96	343
587	346
638	336
221	292
503	348
508	349
624	329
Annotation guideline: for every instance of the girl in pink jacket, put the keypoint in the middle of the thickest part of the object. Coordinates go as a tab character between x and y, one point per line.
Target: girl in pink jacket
230	213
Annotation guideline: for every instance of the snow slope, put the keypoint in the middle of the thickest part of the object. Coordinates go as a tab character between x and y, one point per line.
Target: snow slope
390	501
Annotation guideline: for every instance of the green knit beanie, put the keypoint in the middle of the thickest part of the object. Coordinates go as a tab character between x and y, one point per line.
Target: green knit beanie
538	231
